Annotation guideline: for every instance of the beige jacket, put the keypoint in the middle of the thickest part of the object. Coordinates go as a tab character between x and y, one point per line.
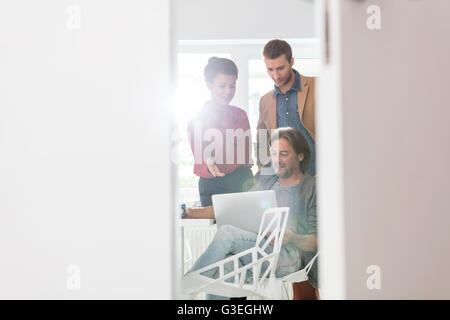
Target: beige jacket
306	103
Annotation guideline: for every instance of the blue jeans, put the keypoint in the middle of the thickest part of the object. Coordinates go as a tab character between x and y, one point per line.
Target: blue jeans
230	240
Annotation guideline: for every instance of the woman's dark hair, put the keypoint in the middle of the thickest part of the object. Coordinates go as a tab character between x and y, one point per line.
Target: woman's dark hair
219	65
297	141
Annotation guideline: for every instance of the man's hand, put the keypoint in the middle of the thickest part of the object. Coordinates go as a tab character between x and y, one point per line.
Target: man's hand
199	213
187	213
305	242
213	169
287	237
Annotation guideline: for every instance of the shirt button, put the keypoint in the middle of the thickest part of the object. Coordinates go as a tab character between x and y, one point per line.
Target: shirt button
287	98
287	113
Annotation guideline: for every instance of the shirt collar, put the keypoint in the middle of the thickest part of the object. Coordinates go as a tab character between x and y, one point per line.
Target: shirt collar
295	86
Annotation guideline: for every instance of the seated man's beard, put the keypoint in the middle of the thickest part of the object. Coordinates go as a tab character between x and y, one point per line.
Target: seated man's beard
284	172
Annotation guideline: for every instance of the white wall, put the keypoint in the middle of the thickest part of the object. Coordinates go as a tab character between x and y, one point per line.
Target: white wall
249	19
394	104
329	156
84	149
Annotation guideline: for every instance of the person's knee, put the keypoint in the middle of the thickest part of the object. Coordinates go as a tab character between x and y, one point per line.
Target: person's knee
227	233
227	229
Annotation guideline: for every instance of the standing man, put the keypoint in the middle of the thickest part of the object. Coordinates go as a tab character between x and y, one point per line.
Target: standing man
289	104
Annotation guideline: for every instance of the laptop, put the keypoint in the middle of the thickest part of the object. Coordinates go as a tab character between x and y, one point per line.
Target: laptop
244	209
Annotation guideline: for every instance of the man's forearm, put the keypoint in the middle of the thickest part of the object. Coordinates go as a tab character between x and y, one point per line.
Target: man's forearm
305	242
200	213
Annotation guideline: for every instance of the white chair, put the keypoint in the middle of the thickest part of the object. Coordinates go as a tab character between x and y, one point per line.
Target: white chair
234	284
264	282
300	275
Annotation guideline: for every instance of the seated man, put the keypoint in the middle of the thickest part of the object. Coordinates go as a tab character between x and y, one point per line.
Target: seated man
295	189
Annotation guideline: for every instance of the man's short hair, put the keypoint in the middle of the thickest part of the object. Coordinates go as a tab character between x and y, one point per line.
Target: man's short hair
297	141
275	48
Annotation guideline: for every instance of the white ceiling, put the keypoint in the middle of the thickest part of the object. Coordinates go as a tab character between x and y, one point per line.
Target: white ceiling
237	19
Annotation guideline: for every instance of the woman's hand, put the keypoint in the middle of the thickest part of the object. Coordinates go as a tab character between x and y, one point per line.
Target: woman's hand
213	169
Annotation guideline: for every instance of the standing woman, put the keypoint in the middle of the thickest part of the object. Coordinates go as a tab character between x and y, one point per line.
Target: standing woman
217	129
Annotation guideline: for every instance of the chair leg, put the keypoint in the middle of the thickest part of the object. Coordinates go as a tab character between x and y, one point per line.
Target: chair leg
304	291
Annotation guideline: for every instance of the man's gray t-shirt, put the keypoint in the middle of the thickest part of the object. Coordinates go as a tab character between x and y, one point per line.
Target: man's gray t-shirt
301	200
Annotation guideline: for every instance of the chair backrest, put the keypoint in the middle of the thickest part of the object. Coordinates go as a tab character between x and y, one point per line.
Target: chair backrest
272	228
